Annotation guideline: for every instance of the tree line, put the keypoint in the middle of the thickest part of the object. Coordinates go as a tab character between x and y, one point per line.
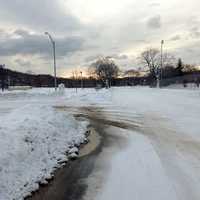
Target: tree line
157	66
105	72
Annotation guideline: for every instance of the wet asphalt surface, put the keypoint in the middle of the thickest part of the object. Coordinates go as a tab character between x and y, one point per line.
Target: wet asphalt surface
69	182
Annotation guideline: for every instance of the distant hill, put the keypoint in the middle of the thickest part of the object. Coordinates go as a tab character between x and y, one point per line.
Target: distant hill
14	78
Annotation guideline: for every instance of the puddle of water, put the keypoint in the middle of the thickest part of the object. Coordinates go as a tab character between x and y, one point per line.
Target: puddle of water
94	141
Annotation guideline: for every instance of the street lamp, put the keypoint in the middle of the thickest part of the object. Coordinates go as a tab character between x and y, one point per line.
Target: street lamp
54	58
161	60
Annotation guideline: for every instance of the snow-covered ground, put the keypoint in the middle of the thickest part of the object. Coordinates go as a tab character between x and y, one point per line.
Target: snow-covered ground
34	139
190	86
161	159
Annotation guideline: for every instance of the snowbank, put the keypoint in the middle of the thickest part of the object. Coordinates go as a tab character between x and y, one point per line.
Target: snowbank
190	86
33	141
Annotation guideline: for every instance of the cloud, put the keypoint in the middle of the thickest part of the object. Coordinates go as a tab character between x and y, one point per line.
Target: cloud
175	38
83	32
22	62
26	43
154	4
92	58
119	56
189	53
195	33
154	22
38	14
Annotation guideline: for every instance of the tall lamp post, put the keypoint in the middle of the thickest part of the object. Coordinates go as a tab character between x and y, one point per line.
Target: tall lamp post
54	58
161	60
2	77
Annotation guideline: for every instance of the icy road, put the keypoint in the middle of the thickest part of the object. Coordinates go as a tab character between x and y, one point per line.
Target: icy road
159	153
151	147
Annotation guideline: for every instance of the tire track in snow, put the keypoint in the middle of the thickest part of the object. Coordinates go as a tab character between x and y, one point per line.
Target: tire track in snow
179	153
69	182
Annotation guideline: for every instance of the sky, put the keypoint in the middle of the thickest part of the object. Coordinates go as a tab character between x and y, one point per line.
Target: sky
84	30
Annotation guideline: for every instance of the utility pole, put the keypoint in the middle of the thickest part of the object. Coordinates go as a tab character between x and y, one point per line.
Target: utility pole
54	58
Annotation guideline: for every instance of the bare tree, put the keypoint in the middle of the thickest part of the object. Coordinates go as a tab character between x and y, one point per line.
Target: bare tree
105	69
168	60
189	68
151	58
91	72
75	78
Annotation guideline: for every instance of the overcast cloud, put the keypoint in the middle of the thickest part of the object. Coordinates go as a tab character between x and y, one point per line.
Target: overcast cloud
86	29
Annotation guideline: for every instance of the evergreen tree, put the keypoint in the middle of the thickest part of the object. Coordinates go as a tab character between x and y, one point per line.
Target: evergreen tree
180	67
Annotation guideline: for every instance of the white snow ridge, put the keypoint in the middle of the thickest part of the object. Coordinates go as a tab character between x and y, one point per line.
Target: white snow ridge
33	140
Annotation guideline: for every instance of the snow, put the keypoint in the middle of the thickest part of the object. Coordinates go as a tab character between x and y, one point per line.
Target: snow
73	150
190	86
141	176
160	160
34	140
